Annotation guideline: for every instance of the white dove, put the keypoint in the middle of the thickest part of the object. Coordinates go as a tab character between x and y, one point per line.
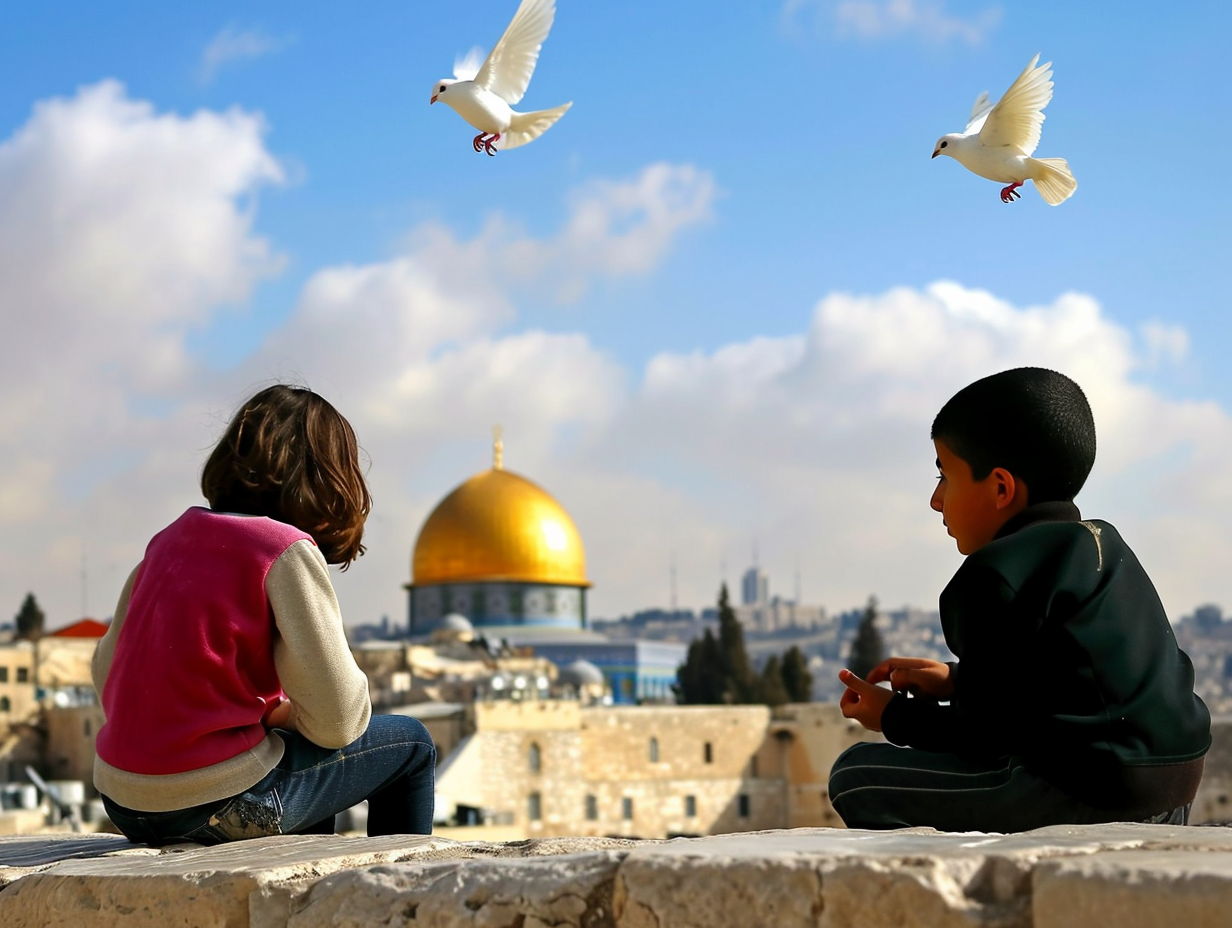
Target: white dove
483	95
999	140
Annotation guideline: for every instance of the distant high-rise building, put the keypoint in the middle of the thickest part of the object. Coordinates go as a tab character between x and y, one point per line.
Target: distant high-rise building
755	587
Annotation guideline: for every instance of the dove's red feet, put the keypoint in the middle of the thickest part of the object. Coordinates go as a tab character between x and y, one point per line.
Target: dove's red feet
483	142
1007	193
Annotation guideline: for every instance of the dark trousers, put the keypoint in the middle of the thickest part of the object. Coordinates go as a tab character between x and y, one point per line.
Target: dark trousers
392	765
885	786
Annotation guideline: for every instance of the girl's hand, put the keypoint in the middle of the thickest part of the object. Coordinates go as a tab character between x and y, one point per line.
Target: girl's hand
279	715
915	675
863	701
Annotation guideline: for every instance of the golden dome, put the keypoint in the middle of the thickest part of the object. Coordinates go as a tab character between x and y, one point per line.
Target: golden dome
499	526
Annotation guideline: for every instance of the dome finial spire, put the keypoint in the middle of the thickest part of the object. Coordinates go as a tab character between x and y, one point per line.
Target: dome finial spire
498	448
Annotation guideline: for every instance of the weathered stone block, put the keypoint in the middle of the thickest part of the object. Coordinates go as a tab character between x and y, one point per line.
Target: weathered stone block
540	892
1136	889
191	885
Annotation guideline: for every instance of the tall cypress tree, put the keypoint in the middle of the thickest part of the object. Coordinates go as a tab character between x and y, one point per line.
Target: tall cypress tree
771	688
797	680
697	679
738	682
29	619
716	669
867	648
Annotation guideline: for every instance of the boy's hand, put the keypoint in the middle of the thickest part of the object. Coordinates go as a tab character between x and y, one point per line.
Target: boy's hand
915	675
863	701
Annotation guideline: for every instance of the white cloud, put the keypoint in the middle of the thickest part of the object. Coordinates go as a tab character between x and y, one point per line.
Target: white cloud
879	19
1166	344
122	228
816	445
615	229
391	330
415	350
627	227
234	44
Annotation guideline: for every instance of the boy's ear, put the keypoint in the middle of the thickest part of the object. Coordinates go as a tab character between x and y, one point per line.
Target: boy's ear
1009	491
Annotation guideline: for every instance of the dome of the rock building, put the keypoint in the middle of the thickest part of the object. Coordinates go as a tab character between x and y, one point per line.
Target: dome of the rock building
499	526
502	553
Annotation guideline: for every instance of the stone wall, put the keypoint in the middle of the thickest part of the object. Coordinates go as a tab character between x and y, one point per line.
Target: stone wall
557	768
65	662
71	732
703	752
17	673
808	737
1098	876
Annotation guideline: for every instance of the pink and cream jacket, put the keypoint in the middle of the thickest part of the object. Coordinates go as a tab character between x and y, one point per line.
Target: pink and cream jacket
224	615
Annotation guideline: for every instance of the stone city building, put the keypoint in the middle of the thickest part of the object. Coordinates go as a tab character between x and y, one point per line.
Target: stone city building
553	767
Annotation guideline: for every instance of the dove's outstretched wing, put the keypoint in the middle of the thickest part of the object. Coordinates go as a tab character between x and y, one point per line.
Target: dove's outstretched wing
979	113
466	67
1018	116
508	68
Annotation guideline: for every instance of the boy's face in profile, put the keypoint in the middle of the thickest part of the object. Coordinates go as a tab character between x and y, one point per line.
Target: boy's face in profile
974	510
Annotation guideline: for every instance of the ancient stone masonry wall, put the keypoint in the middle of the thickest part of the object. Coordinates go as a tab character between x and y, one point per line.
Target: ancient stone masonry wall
650	771
686	770
1119	876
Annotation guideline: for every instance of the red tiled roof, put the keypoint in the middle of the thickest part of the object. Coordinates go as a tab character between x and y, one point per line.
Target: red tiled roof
86	628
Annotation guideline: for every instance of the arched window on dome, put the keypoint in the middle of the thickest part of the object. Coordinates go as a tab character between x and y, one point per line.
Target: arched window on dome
535	758
654	750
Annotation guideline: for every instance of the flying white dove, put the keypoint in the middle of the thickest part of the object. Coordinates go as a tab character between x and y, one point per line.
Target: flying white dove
483	95
999	140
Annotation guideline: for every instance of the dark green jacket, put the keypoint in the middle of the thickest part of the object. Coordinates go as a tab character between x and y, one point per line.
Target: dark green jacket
1067	660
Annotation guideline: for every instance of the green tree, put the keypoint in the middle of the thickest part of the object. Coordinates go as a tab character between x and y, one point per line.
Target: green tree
771	688
739	684
716	669
697	679
30	619
797	679
867	648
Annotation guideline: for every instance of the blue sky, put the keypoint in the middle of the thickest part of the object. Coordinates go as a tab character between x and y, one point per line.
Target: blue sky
796	137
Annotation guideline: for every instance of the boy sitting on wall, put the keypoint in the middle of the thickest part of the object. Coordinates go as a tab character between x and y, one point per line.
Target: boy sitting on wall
1070	702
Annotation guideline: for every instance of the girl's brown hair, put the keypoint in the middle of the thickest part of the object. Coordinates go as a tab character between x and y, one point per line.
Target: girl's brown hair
289	455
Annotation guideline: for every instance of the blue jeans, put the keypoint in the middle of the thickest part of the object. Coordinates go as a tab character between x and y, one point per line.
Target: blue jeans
392	765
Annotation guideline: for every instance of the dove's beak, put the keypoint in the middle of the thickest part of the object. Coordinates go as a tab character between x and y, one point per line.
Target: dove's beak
936	151
433	100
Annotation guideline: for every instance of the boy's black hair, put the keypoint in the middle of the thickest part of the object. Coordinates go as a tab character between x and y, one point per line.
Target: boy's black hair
1034	422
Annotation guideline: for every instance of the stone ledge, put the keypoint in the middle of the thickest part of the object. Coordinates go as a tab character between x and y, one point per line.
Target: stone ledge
1117	875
